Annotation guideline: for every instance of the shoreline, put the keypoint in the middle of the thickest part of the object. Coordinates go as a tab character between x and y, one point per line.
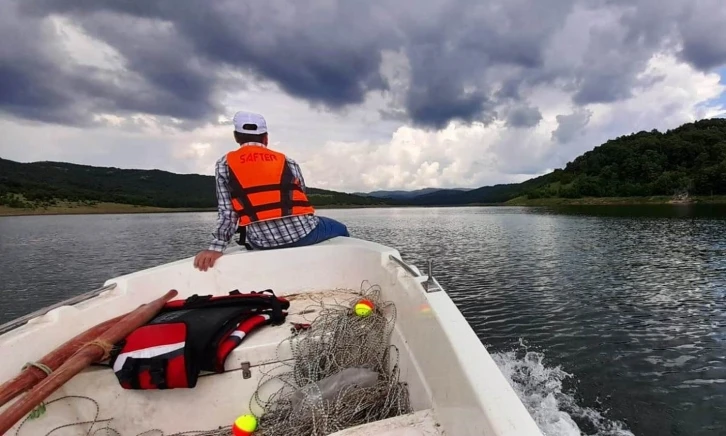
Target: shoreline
118	209
127	209
617	201
100	209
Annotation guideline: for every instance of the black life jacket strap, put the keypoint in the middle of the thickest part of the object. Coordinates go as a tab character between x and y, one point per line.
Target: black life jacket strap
242	230
289	204
157	371
277	316
238	191
285	185
130	373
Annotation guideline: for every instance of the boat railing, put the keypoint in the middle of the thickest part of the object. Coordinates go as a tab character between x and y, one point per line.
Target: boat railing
430	285
404	265
4	328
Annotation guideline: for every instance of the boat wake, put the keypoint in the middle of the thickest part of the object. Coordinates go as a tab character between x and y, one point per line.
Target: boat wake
540	389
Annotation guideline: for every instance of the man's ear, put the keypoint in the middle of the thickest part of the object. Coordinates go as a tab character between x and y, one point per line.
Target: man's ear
264	139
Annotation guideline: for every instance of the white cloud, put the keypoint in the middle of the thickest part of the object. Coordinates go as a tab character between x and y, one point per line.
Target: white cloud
83	50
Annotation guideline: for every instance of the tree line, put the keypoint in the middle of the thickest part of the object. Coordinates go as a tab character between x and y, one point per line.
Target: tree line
41	184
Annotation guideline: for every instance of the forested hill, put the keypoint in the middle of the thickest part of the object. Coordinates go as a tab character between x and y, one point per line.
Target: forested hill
690	159
44	183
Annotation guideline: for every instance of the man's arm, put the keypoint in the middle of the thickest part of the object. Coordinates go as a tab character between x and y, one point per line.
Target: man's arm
227	218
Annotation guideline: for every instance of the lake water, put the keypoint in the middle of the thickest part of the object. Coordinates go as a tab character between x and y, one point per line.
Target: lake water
607	321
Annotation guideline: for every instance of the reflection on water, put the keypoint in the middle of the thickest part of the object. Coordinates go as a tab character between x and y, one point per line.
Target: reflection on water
629	301
691	211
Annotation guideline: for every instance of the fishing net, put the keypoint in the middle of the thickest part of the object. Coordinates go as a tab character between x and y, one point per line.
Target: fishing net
344	372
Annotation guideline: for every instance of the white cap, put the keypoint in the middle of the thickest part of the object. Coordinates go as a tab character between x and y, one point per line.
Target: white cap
248	122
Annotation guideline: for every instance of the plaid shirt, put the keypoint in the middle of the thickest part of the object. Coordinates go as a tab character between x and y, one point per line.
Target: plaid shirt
266	234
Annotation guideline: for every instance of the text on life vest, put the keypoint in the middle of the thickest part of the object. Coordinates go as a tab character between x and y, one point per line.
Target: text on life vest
257	157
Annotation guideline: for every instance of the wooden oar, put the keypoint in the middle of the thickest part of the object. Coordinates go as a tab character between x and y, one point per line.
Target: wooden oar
31	375
93	351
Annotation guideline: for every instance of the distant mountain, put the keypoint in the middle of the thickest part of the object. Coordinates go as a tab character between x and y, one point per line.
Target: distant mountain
407	195
485	195
43	183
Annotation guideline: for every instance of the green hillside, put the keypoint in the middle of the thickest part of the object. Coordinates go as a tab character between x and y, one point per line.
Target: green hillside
690	159
41	184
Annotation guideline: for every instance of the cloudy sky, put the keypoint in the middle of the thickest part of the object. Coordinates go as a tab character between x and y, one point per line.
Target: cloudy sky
376	94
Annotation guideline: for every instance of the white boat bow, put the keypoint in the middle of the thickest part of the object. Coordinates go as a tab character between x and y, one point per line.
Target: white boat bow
454	385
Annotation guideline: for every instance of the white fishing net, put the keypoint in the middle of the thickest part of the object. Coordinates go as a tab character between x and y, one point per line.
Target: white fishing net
344	373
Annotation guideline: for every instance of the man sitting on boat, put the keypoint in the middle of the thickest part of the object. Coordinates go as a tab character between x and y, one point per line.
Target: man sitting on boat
262	192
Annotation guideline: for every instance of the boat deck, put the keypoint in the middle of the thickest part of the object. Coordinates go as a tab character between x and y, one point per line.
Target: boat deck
261	353
421	423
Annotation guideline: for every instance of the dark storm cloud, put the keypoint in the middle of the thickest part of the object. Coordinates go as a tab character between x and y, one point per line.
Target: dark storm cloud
704	35
469	60
524	116
38	81
325	55
27	71
695	26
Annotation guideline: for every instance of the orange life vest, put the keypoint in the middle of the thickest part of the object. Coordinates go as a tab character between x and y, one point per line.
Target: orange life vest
263	187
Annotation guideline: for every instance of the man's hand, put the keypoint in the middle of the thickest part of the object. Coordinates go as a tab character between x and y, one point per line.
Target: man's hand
205	259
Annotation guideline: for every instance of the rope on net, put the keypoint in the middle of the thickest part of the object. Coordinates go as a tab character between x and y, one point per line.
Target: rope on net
344	372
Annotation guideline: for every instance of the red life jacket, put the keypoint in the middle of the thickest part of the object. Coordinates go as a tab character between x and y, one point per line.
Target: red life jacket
190	336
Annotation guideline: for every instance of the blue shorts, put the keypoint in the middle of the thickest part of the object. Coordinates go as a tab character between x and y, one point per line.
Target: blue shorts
327	228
